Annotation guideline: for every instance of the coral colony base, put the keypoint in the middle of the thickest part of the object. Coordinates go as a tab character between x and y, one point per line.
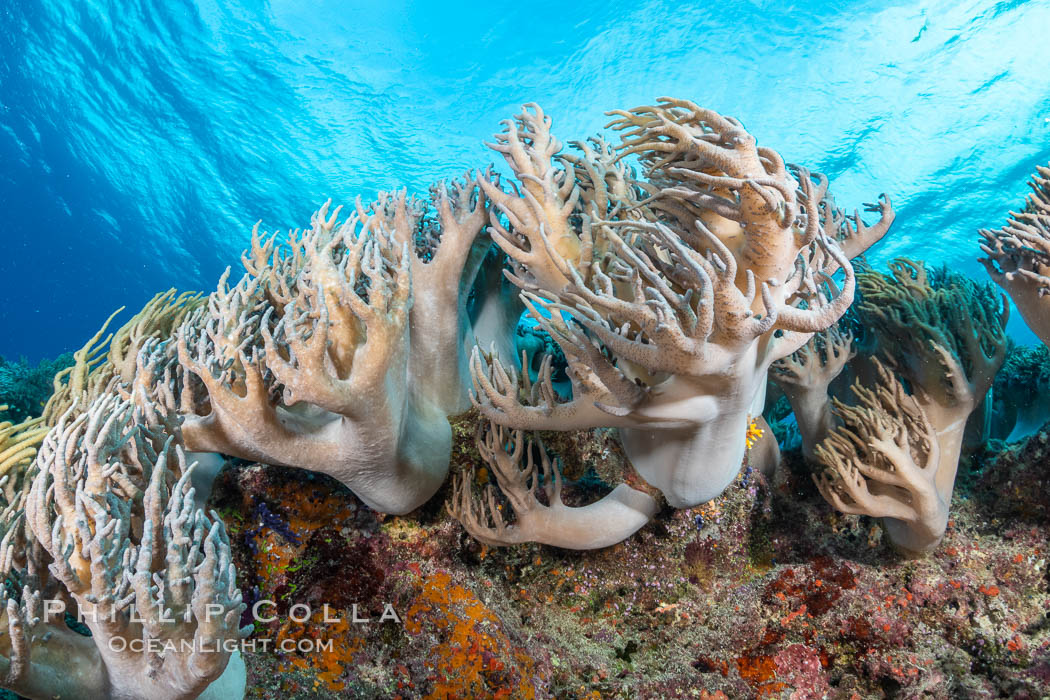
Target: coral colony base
665	282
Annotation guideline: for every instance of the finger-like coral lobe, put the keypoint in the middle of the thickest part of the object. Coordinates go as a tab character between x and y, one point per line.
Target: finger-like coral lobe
18	446
108	362
805	377
883	461
512	458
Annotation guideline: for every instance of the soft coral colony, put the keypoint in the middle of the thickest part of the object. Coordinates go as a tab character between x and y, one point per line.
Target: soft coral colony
670	297
673	272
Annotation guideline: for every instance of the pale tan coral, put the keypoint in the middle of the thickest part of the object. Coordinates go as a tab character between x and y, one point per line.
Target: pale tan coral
108	527
1019	256
884	461
671	302
805	377
536	214
918	323
344	352
947	340
511	455
449	259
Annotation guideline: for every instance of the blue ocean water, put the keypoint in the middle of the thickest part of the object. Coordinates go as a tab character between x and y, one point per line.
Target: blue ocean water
139	141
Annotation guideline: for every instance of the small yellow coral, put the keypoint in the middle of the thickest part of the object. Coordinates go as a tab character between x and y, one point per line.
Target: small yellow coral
18	446
753	433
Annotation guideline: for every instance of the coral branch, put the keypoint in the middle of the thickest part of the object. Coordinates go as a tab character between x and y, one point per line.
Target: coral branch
884	461
1018	256
945	335
92	372
512	459
346	353
805	377
536	213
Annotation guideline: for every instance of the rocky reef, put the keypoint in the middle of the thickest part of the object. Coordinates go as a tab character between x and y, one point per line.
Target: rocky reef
763	592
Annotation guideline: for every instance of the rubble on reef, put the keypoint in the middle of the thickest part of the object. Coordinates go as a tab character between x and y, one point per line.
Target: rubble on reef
764	592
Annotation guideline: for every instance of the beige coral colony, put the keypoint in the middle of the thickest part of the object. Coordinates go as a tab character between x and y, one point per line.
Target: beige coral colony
678	271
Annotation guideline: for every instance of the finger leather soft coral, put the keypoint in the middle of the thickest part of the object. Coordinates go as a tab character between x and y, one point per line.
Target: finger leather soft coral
18	446
886	460
805	377
670	295
1022	392
896	454
109	362
513	459
106	522
1019	256
346	352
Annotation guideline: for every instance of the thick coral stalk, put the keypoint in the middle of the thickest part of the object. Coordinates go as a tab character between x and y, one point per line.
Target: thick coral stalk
889	461
325	385
449	255
897	453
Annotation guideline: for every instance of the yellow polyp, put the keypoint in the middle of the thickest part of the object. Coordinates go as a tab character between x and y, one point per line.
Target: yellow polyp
753	433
